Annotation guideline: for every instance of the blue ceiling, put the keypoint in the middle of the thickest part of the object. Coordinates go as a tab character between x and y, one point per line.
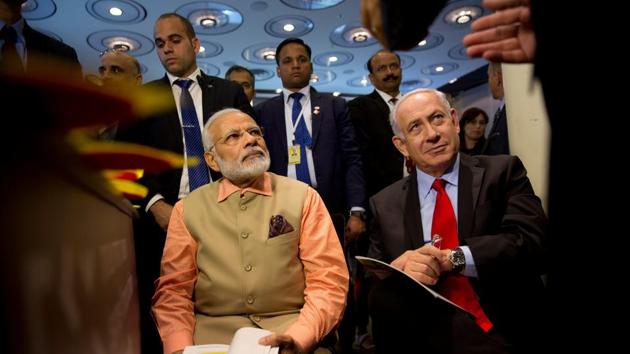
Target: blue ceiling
244	31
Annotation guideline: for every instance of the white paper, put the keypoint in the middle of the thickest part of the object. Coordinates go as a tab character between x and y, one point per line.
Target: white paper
382	269
245	341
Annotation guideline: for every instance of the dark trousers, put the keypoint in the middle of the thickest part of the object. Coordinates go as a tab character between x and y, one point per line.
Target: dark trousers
407	319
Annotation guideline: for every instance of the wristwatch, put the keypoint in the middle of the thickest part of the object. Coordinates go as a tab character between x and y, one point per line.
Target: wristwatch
457	259
358	213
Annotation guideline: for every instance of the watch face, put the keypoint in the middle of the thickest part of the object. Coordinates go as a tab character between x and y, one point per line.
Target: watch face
457	257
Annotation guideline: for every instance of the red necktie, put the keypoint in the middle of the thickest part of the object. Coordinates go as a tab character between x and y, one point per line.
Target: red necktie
455	287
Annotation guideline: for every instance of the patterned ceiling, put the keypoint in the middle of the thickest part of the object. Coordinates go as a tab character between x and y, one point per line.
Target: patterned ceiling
246	32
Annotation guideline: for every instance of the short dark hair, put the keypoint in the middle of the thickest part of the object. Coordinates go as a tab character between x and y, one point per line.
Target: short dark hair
238	68
289	41
369	62
188	27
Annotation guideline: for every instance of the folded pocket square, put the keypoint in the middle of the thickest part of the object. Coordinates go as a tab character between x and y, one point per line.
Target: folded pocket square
278	225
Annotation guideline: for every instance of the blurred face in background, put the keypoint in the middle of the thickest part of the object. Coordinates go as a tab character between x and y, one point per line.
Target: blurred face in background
475	128
243	78
119	70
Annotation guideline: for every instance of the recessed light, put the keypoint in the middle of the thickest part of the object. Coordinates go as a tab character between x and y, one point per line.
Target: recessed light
364	82
453	81
288	27
279	90
269	55
202	49
439	69
463	17
314	78
360	36
208	22
336	93
422	43
121	47
115	11
332	59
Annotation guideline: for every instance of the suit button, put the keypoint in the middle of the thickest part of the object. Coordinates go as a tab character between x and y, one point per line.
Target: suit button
248	267
243	207
250	300
244	235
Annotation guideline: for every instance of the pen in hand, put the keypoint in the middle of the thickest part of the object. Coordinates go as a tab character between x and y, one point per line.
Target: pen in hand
436	241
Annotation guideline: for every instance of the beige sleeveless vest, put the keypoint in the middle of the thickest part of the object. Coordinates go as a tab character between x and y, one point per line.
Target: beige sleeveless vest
245	278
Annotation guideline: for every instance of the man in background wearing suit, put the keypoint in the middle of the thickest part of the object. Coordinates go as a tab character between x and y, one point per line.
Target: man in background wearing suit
492	237
319	146
244	77
497	142
27	50
196	96
383	164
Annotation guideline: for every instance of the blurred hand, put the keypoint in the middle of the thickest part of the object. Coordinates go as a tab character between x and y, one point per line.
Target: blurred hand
287	344
372	20
354	228
161	211
506	35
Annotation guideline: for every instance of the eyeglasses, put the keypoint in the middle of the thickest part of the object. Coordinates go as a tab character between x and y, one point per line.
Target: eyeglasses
234	136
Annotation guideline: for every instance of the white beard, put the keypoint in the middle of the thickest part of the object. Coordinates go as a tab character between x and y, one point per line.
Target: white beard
239	172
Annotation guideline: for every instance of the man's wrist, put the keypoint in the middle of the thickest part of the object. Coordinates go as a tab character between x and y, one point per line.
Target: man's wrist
358	213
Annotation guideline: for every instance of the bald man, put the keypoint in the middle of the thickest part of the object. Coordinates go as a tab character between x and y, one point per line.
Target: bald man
119	69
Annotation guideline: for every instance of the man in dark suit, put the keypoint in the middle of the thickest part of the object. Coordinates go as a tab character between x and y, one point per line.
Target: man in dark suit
382	163
34	49
494	258
331	157
177	46
497	142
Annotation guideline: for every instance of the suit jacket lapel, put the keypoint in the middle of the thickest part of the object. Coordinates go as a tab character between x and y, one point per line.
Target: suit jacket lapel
279	126
316	121
411	210
470	177
208	93
382	105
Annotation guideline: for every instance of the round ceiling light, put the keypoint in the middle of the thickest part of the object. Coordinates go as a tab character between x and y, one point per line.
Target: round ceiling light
115	11
462	15
207	22
289	26
354	36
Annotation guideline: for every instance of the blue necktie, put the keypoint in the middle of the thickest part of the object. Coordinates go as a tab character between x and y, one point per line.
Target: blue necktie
198	174
302	138
9	58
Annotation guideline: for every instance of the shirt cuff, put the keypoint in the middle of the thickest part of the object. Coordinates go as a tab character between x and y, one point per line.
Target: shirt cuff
302	335
153	201
470	269
177	341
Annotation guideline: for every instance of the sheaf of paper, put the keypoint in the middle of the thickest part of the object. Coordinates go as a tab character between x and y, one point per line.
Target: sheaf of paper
382	270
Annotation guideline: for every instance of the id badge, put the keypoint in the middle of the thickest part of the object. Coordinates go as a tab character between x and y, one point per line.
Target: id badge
294	155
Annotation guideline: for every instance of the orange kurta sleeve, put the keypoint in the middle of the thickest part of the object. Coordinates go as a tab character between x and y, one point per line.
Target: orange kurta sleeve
173	307
326	275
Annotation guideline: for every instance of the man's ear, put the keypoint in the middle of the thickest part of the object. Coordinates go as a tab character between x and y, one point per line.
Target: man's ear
399	143
211	162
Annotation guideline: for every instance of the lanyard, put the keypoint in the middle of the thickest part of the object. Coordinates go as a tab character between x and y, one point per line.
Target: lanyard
297	121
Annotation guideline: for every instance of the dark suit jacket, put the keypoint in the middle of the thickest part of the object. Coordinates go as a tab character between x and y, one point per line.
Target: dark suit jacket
382	162
336	155
497	142
164	131
499	219
39	44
